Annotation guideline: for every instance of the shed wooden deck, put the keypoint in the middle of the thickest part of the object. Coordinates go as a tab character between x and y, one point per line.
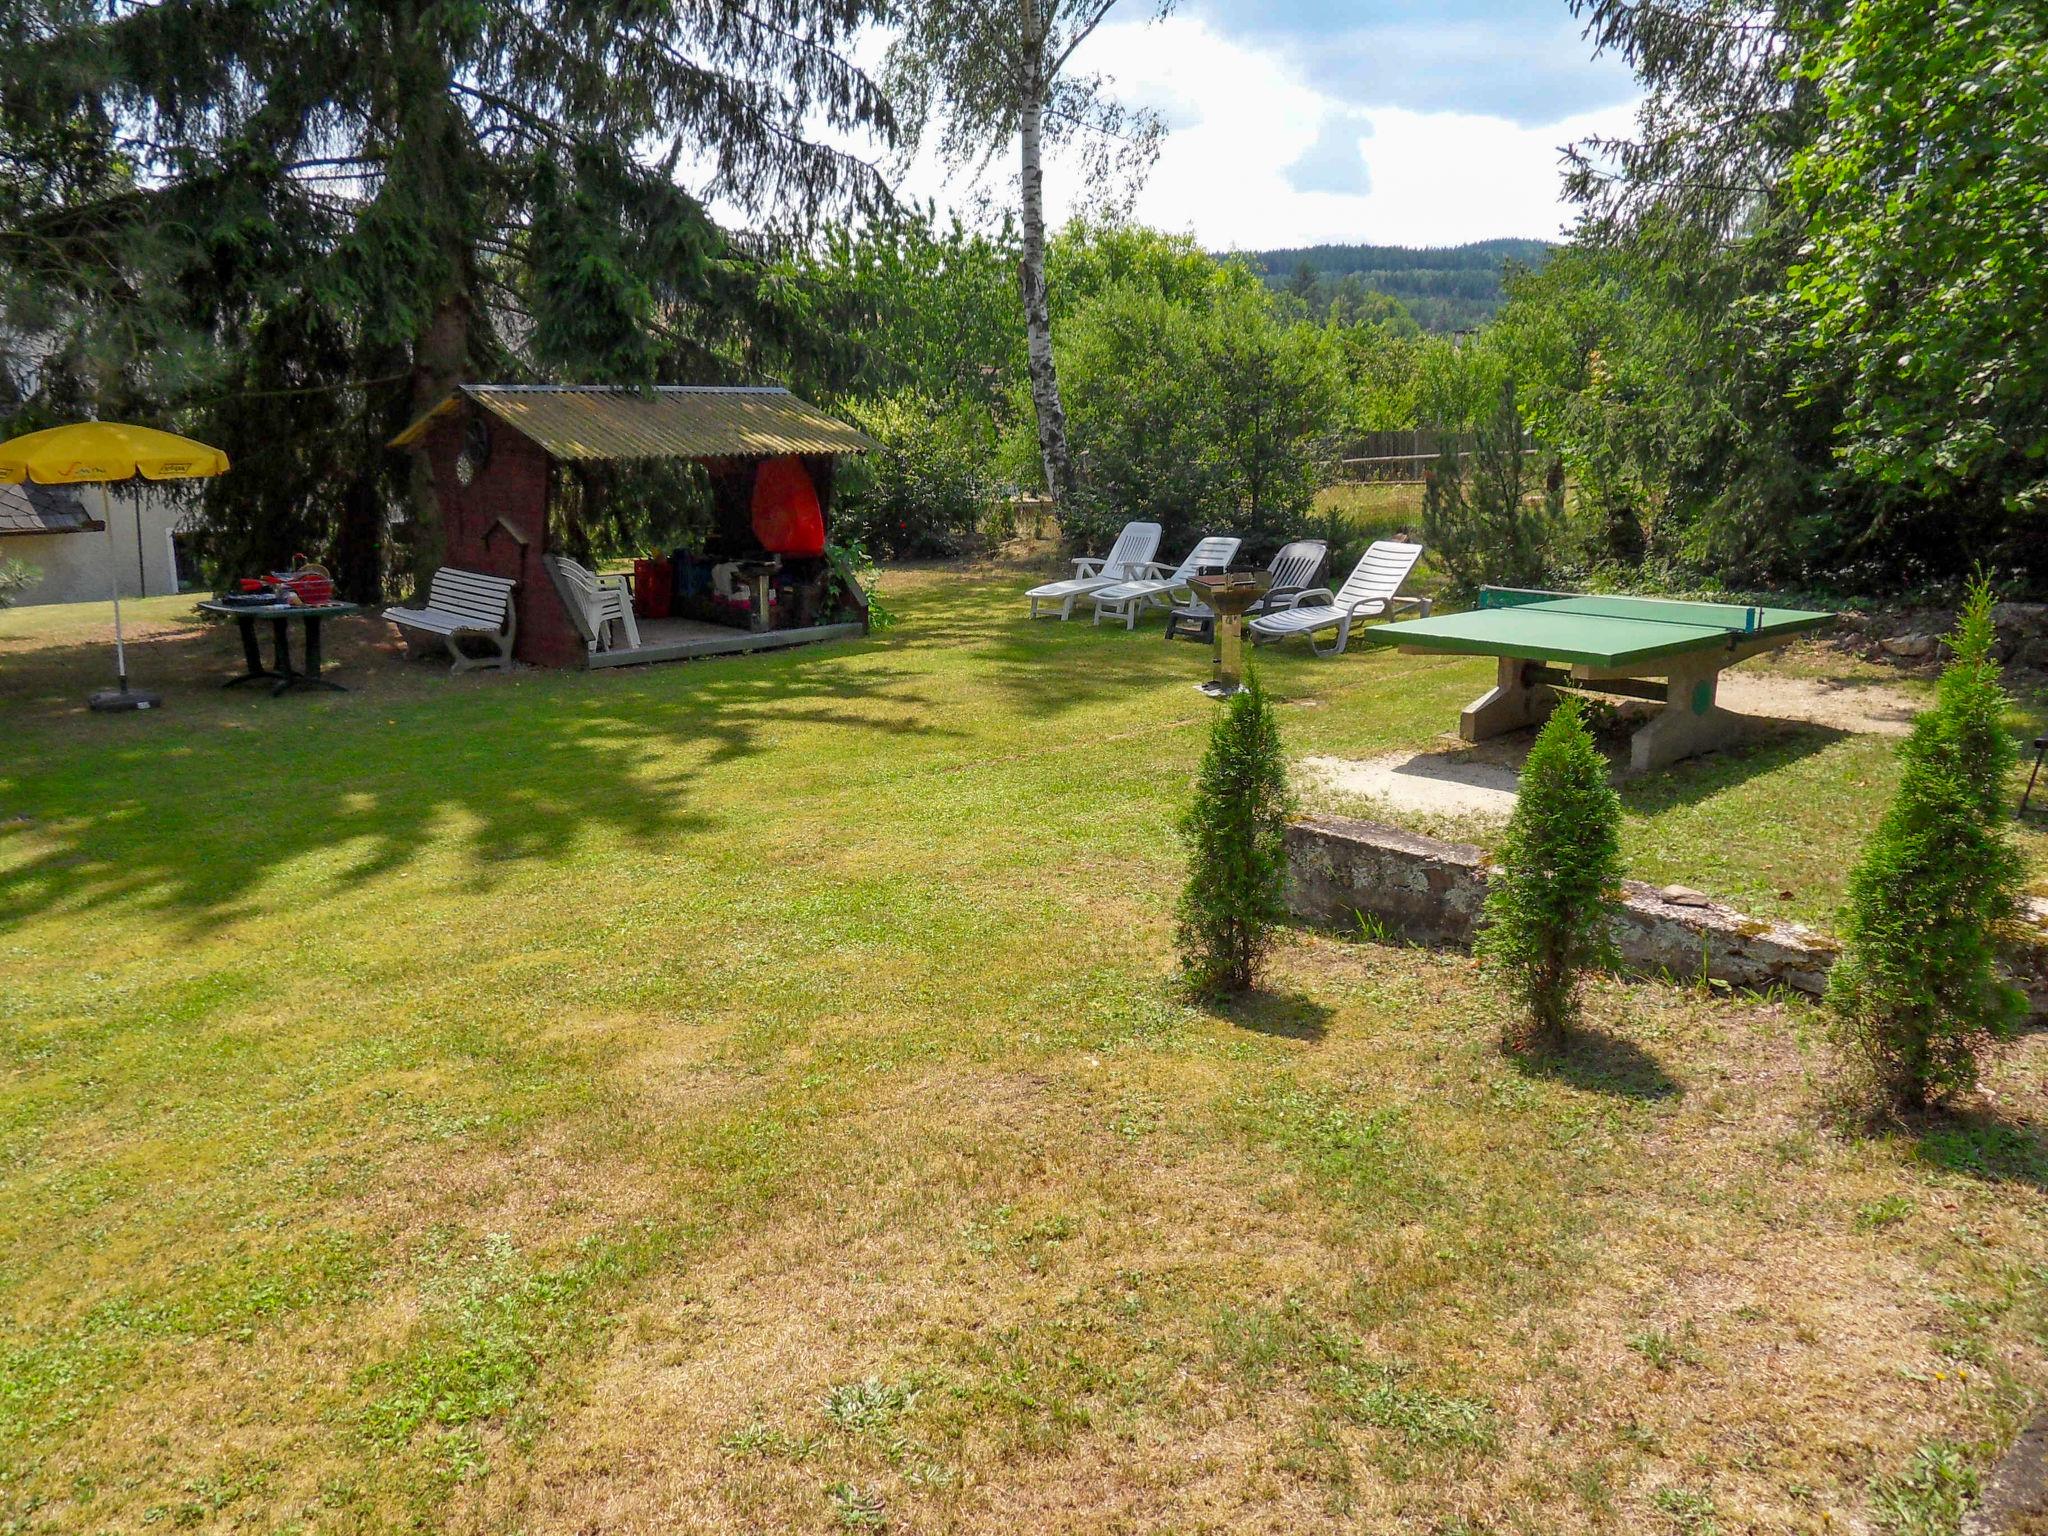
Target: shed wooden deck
686	639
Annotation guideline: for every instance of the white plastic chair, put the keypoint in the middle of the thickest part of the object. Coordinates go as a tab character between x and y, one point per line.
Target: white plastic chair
1127	599
1370	591
605	602
1127	559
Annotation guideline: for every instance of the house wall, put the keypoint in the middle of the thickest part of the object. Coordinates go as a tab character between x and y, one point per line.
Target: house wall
483	522
81	567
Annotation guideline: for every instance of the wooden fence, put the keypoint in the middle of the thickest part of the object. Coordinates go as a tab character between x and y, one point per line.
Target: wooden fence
1403	454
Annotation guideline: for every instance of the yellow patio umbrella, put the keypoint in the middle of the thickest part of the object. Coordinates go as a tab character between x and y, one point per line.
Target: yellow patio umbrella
98	453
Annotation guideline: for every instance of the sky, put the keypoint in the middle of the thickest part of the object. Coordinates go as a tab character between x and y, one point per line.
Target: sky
1392	122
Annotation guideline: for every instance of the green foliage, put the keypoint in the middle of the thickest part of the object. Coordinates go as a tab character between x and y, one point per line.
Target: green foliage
1488	521
1437	289
907	304
1917	994
1926	193
851	570
1931	1496
925	493
1548	901
1234	831
1205	418
16	577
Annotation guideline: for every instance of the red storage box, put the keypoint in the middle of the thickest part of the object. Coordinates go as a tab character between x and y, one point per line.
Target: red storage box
654	588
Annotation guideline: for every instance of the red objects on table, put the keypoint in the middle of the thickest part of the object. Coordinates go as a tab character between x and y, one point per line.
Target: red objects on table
787	517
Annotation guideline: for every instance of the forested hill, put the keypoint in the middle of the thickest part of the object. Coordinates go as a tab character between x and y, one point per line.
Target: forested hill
1446	288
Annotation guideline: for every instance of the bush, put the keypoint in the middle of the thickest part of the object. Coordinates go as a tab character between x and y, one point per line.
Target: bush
1917	994
925	493
1210	418
16	576
1235	832
1488	522
1547	902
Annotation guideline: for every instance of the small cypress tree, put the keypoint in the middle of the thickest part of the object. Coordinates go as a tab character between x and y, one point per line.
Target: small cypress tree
1237	858
1917	993
1547	901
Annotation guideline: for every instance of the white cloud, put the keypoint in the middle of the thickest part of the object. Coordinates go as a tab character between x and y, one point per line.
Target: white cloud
1242	116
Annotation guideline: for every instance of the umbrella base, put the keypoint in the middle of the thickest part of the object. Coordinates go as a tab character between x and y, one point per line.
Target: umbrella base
119	700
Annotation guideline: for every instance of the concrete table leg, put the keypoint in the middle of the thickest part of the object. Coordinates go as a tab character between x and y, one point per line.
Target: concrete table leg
1690	722
1512	704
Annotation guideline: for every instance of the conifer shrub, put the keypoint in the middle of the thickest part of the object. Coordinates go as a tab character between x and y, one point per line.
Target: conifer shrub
1548	899
1235	830
1917	994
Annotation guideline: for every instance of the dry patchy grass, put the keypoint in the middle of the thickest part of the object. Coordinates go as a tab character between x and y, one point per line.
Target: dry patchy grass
749	1096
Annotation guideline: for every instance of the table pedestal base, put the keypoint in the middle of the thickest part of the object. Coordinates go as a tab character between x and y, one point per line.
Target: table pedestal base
281	674
1691	722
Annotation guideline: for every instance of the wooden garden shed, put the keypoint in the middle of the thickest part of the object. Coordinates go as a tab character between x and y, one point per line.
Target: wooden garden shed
494	450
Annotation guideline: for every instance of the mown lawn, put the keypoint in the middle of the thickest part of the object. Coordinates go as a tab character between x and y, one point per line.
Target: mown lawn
749	1096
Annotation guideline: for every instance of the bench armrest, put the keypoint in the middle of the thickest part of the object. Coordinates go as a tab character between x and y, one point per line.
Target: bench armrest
1088	565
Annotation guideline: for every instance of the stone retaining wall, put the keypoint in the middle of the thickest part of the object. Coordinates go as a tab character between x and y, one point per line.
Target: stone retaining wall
1432	891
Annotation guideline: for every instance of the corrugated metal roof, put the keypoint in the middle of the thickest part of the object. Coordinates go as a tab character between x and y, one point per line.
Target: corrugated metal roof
31	508
672	422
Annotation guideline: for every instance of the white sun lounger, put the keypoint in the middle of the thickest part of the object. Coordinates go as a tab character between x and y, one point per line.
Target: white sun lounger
1127	559
1370	591
1127	599
1293	568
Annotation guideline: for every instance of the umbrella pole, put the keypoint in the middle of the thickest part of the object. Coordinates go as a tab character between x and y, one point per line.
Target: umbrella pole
114	566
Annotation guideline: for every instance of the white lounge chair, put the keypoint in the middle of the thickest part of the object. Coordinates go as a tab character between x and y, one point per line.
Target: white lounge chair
1371	590
1127	599
601	605
1293	568
1126	560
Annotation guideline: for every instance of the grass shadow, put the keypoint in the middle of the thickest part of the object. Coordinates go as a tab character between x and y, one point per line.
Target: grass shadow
1282	1015
1982	1144
189	811
1770	746
1598	1062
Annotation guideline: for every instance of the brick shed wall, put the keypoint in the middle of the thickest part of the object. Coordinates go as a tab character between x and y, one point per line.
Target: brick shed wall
513	487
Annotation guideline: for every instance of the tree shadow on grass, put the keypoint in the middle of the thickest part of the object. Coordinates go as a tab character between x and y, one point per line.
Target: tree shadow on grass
1283	1015
191	811
1598	1062
1982	1144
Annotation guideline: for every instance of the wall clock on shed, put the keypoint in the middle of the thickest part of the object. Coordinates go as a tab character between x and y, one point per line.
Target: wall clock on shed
476	451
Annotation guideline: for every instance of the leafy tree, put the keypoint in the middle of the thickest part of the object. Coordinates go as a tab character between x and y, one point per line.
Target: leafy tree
998	71
1088	257
1550	893
1216	419
1926	195
1487	521
906	303
1276	406
1597	357
295	224
925	493
1917	994
1235	831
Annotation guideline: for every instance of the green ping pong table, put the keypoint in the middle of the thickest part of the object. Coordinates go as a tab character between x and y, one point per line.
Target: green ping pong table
1638	647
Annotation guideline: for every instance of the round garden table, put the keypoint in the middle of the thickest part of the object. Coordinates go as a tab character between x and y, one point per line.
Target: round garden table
281	673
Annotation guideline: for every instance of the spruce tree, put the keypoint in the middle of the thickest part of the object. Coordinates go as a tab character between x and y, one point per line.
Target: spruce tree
289	225
1917	994
1235	831
1548	900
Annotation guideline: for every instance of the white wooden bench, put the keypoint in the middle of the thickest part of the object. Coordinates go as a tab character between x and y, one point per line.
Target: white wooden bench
462	605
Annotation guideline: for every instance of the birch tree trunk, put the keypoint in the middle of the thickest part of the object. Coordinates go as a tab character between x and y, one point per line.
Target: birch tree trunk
1045	382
